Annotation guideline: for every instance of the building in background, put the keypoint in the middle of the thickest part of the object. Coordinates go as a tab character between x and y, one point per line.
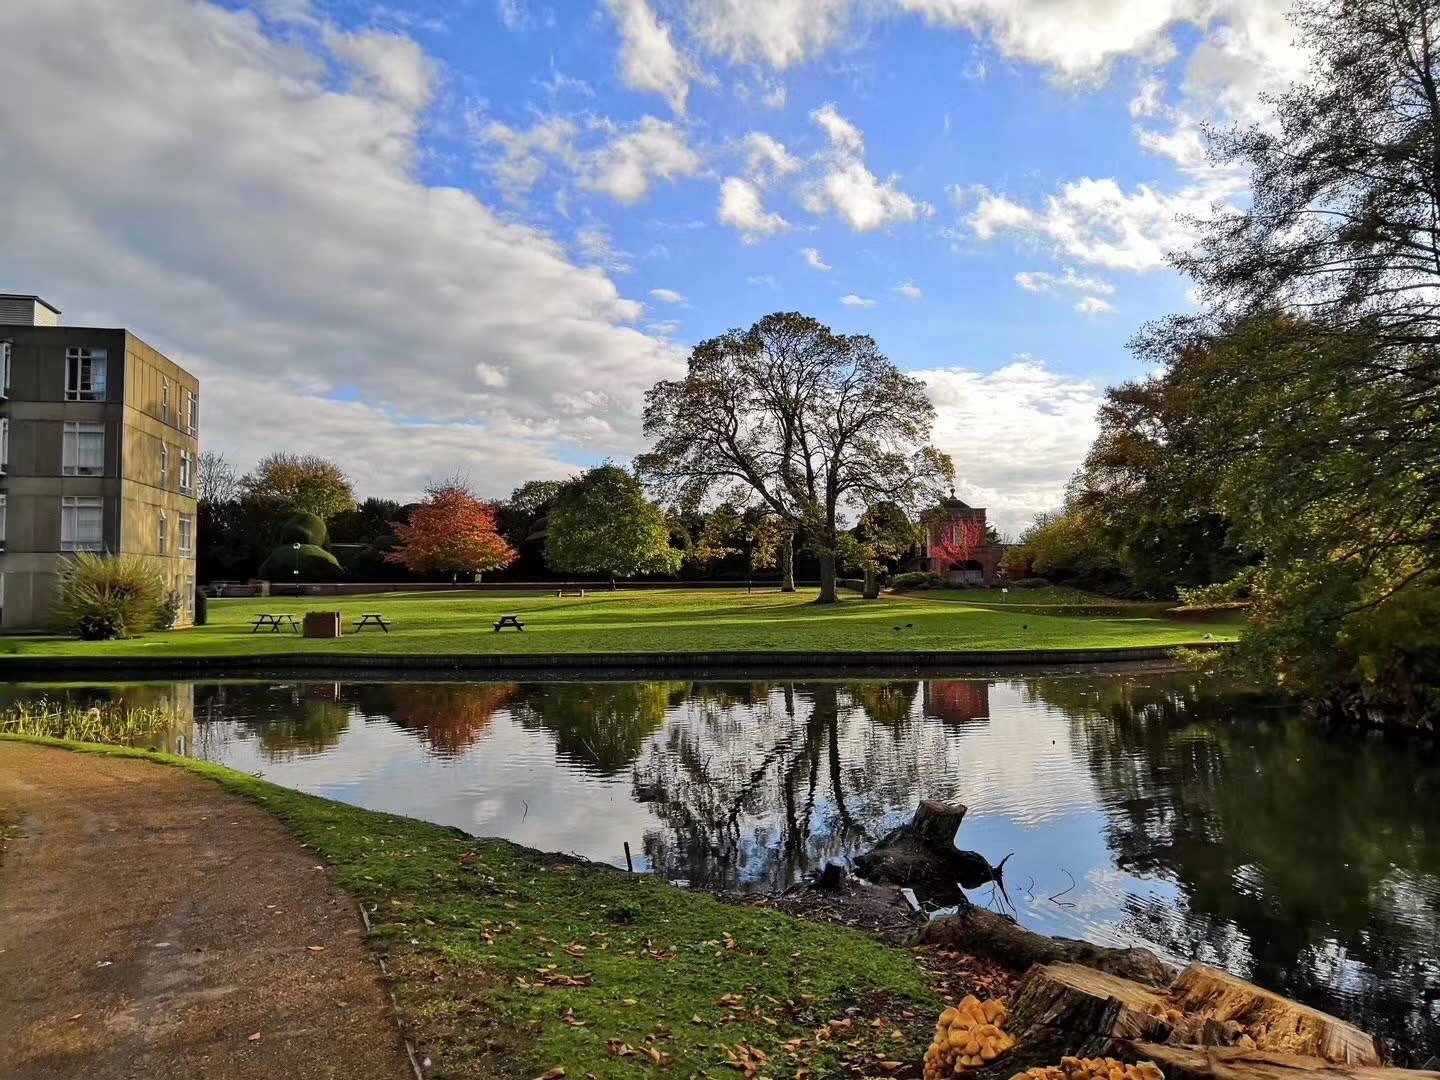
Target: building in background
99	451
960	546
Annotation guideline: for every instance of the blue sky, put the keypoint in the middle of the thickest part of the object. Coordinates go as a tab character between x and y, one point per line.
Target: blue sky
424	238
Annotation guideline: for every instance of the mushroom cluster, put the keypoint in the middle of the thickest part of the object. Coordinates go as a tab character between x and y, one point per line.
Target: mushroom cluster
967	1035
1073	1068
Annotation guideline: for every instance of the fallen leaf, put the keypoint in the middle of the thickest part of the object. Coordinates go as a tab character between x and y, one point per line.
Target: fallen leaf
254	1038
314	948
77	1016
554	1074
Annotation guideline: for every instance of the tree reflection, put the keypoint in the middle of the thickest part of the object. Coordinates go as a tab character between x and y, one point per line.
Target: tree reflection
764	784
288	720
602	725
1297	844
449	717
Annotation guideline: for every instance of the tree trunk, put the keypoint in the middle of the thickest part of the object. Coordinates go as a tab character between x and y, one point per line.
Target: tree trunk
1065	1009
1234	1063
827	580
938	822
1273	1022
787	565
872	585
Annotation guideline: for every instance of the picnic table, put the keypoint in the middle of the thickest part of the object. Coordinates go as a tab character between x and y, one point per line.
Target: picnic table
509	620
275	621
373	619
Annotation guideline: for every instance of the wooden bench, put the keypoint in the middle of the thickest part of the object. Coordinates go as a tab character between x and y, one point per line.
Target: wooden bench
274	621
373	619
509	620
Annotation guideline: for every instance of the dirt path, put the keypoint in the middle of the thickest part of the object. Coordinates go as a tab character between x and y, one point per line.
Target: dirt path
151	924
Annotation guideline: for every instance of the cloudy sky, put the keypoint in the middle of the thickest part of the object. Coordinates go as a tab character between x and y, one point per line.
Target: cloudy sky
422	236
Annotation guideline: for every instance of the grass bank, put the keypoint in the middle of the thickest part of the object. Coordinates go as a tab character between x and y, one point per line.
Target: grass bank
671	622
508	962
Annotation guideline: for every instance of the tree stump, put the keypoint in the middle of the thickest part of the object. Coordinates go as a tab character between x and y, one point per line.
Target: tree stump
1086	1012
1274	1023
936	823
1235	1063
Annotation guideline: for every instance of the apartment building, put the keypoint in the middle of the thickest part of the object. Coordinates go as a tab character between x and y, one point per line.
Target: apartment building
99	451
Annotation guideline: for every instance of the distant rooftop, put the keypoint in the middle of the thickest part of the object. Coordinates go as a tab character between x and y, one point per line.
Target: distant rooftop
29	296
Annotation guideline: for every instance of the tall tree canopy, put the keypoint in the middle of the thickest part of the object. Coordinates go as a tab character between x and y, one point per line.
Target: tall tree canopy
793	417
601	523
1302	406
451	532
300	483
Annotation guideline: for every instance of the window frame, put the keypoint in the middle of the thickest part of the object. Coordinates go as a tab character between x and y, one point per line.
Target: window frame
165	399
76	428
75	356
70	506
192	412
187	473
186	544
164	464
4	517
4	445
163	535
7	352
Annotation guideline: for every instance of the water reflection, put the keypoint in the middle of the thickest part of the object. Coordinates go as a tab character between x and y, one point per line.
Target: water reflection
1156	810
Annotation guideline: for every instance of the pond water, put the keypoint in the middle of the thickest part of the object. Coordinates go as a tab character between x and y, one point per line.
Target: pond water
1141	809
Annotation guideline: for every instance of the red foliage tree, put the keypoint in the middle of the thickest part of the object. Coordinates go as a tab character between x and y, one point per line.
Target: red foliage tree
957	543
452	532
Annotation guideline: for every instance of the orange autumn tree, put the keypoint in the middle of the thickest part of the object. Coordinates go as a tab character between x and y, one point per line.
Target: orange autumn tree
451	532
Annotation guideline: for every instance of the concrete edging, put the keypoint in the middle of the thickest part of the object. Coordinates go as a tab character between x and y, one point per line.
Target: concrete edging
12	668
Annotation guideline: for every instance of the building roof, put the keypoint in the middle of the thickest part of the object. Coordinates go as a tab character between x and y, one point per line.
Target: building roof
30	296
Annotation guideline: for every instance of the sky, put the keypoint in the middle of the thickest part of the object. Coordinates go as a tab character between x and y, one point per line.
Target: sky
428	237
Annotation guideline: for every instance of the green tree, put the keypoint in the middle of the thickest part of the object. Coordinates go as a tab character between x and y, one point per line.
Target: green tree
793	417
884	536
299	483
601	523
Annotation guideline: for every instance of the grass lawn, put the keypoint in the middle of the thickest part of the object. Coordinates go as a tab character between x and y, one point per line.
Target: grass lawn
670	621
511	963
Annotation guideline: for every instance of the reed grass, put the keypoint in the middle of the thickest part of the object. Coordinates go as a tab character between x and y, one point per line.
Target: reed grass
113	723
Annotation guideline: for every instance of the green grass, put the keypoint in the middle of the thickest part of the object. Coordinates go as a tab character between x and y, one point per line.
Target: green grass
509	963
670	621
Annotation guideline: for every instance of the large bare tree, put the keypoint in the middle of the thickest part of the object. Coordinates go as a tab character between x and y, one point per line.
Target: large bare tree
793	417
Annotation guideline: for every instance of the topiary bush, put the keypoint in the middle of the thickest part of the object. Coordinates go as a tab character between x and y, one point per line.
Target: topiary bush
169	611
304	529
917	580
314	564
202	607
110	596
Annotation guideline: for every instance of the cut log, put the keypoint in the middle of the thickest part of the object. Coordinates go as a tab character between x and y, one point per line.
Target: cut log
1090	1012
983	933
1234	1063
1275	1023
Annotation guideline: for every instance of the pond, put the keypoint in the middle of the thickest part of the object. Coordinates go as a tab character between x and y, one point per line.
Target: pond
1142	809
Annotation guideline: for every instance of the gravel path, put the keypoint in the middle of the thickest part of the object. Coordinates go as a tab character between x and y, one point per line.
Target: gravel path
152	925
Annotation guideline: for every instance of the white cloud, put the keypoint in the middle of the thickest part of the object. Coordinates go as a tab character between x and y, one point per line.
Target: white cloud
909	290
298	259
849	188
813	259
776	32
526	155
1094	305
1016	434
742	208
389	65
766	156
512	14
653	149
1041	281
843	134
649	60
1098	222
856	301
667	296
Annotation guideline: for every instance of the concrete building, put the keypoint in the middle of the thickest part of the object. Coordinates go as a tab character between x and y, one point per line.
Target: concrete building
99	451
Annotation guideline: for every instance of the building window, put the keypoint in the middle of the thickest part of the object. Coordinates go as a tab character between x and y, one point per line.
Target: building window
82	526
187	533
2	520
84	449
187	473
165	465
164	532
5	361
4	444
188	593
165	400
193	412
85	374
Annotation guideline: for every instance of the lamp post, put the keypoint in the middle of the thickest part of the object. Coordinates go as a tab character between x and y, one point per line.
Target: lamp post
296	546
749	561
